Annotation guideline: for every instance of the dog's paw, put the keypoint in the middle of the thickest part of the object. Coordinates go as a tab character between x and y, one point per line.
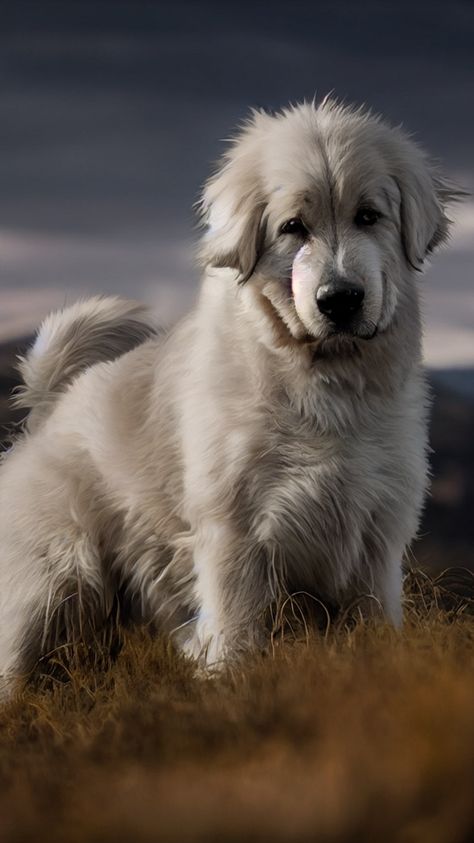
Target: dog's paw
206	645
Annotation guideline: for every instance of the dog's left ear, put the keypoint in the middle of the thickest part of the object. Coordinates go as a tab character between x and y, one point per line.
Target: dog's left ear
424	198
232	208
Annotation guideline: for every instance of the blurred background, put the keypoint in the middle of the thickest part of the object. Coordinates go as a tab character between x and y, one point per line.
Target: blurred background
112	114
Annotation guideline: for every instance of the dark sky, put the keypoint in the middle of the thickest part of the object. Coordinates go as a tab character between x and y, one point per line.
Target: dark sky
112	112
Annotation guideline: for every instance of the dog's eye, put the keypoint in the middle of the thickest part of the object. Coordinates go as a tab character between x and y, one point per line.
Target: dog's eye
294	226
367	216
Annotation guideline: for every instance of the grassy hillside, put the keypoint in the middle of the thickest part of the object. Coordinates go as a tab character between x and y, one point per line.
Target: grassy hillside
355	733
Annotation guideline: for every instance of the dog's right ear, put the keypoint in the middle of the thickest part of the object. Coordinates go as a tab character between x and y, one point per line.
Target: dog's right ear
232	208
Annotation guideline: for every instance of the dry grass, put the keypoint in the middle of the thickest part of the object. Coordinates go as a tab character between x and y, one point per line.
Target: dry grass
358	734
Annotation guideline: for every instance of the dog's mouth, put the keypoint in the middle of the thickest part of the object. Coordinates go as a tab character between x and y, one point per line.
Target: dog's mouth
340	335
366	330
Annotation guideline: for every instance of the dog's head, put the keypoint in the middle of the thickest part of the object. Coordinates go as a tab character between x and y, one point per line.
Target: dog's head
328	211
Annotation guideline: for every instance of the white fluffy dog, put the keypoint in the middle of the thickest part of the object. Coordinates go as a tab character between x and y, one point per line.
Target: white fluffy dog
274	441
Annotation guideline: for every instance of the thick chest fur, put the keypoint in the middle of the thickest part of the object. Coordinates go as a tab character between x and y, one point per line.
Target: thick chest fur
333	503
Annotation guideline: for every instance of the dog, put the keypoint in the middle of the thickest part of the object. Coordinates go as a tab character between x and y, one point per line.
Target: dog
274	441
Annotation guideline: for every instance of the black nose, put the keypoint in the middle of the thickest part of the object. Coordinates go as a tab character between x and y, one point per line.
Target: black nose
340	300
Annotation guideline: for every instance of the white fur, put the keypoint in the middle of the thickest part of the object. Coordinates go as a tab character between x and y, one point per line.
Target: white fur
253	451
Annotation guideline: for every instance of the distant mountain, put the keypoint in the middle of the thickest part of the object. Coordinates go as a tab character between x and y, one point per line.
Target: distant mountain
448	525
459	381
447	532
9	417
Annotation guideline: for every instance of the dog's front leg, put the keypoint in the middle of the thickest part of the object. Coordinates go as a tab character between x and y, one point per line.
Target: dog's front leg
388	587
233	588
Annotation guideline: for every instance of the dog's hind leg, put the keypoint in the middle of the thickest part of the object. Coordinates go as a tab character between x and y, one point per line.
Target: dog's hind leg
52	587
65	603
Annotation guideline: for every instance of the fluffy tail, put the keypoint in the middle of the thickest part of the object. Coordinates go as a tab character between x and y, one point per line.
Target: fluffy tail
71	340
